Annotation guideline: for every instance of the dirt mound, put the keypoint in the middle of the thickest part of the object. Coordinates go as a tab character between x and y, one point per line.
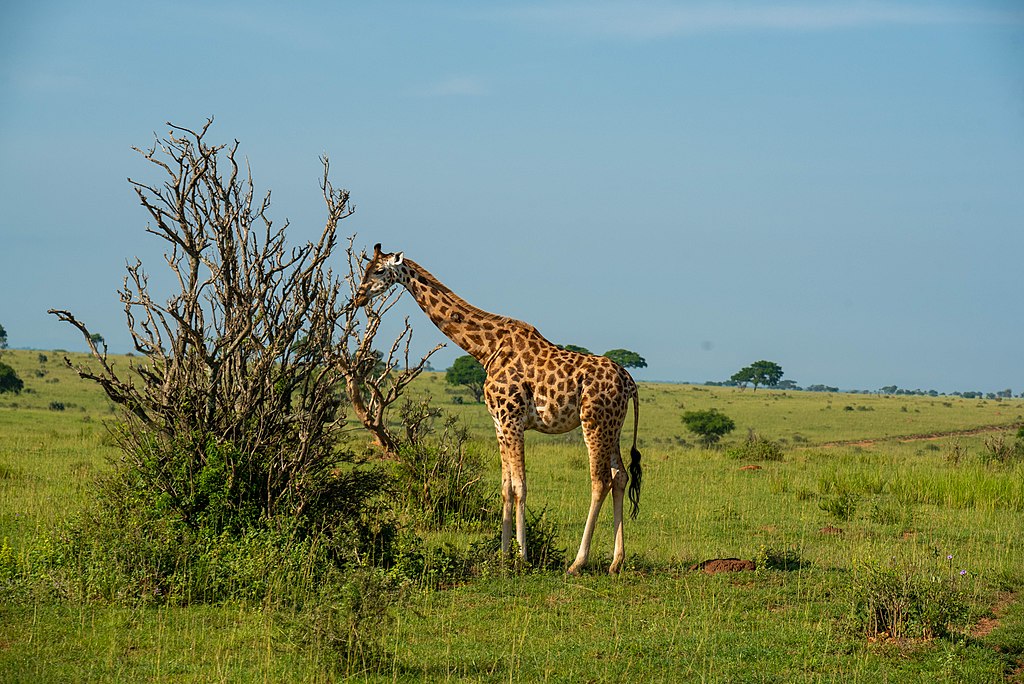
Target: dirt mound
717	565
751	467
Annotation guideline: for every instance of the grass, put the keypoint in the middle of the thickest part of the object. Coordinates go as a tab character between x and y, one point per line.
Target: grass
794	418
910	505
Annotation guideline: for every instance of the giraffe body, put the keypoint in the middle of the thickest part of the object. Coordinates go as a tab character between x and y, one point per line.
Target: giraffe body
531	385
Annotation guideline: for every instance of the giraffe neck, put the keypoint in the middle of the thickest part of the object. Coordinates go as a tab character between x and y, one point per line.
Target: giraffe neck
475	330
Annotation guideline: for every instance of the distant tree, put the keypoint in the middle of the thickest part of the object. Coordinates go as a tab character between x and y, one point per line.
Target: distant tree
767	373
9	380
787	385
742	376
3	338
888	389
575	348
97	339
710	425
468	372
822	388
626	358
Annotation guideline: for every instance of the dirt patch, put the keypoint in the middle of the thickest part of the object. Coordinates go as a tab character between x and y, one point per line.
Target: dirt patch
924	437
828	529
985	625
751	467
717	565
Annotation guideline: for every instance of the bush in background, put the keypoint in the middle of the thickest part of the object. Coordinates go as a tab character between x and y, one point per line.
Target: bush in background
756	448
710	425
910	600
9	380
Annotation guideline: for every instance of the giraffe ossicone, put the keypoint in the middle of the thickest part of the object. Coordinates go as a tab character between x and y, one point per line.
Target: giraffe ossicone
531	384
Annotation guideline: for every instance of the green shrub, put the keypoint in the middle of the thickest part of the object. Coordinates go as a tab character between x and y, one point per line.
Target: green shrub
756	448
433	567
9	380
542	549
217	541
439	475
710	425
911	600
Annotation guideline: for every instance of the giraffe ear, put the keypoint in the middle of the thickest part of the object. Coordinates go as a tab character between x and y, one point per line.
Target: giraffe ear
399	258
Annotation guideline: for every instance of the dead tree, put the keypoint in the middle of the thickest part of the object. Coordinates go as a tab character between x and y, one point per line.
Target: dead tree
243	367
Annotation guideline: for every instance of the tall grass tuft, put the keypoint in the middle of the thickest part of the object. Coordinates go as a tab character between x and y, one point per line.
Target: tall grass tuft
438	473
542	548
351	619
969	487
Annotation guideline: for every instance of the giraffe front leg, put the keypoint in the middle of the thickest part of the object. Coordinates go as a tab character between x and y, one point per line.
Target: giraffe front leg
507	509
513	486
519	488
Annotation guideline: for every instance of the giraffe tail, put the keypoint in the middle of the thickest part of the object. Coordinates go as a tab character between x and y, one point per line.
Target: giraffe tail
636	472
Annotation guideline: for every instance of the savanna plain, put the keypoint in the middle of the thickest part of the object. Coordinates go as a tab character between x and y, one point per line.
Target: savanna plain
886	531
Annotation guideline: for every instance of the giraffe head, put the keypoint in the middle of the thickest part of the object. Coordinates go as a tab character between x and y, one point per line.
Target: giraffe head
383	271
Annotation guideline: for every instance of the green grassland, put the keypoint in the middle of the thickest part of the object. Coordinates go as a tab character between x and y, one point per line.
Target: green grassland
892	481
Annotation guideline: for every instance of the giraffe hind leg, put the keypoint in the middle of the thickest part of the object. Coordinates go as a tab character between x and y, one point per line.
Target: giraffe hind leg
605	476
598	492
619	480
602	424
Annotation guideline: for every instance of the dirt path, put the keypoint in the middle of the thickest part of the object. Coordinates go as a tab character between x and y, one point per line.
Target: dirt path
984	429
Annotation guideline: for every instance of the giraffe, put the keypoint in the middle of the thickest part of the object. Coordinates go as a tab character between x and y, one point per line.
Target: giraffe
531	384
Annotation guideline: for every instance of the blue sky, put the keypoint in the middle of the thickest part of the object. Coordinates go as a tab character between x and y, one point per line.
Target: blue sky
834	186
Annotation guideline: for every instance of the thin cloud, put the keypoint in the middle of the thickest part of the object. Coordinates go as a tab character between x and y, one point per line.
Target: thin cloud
660	20
47	80
454	86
